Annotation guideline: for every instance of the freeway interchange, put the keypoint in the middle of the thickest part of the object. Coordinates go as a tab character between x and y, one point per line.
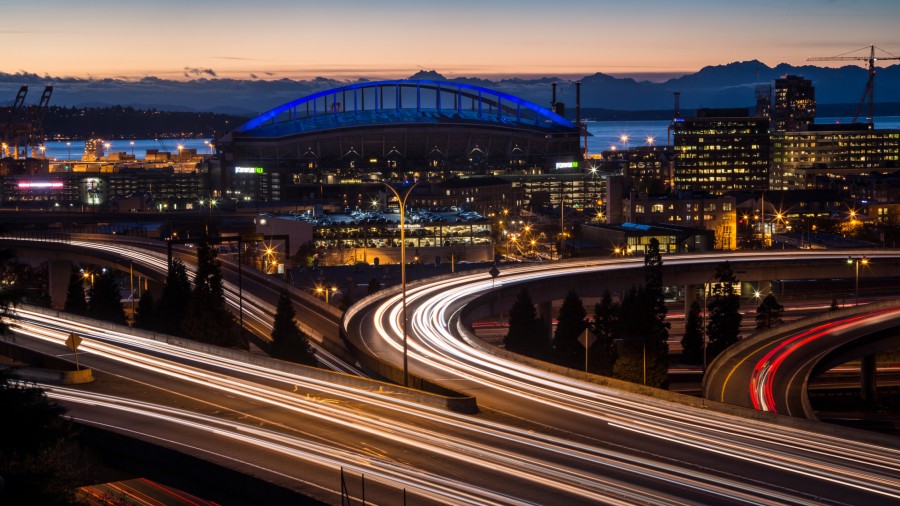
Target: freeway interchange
540	436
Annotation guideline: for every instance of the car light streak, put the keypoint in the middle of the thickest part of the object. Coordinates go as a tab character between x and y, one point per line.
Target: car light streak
437	344
569	479
764	372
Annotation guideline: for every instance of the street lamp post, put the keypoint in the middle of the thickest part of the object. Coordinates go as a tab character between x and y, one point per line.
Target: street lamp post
705	309
326	290
857	261
402	202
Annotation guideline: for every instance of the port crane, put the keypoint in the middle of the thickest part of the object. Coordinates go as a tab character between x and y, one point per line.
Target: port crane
870	85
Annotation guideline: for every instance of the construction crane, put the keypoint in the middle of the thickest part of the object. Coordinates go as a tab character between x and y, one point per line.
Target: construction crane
870	85
13	114
36	121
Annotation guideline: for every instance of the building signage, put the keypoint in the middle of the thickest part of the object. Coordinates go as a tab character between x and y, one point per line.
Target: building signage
248	170
566	165
40	185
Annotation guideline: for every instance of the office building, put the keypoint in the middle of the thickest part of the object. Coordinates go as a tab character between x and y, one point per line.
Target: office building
722	150
795	104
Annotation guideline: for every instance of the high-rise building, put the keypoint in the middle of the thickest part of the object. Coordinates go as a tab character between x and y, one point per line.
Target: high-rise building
764	101
722	150
795	104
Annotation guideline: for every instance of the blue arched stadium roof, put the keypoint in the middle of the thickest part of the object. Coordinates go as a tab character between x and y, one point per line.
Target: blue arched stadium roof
437	102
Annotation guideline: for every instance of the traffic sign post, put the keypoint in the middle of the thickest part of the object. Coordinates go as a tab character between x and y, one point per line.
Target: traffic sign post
72	343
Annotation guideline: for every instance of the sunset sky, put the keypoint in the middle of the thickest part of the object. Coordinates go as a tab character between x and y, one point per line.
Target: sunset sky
271	39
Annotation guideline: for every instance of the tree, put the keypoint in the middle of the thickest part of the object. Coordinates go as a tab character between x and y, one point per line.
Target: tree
75	303
724	325
145	317
570	326
768	314
658	331
208	319
603	352
692	342
288	341
176	295
8	297
106	300
527	333
633	328
37	448
374	286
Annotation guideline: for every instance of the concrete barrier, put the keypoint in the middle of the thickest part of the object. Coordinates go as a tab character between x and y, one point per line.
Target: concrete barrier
51	369
76	377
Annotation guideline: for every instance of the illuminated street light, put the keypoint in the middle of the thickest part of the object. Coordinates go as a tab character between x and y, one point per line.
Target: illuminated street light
132	148
650	140
402	202
323	290
857	261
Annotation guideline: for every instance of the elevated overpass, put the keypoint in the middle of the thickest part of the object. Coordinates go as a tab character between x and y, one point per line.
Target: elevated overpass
771	371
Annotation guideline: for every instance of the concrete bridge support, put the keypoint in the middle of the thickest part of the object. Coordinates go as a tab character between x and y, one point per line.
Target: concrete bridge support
58	273
867	372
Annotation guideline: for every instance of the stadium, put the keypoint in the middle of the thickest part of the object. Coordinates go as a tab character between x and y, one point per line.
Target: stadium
401	125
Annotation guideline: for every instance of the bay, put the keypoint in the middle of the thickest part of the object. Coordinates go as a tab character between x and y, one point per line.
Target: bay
604	135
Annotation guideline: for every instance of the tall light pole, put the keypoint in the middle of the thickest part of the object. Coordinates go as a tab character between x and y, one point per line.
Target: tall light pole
705	309
402	201
857	261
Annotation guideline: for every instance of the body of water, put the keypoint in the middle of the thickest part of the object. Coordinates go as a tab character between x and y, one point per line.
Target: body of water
605	134
63	150
609	133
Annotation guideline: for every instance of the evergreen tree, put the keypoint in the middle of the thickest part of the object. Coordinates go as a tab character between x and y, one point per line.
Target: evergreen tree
38	453
173	304
634	328
145	317
208	319
570	326
288	341
606	326
724	325
374	286
527	333
106	300
692	342
8	298
768	314
75	303
658	331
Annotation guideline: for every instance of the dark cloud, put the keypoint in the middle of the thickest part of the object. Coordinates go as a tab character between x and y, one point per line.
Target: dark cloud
253	76
194	71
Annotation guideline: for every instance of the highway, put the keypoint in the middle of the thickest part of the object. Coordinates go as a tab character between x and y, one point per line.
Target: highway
298	432
258	292
540	437
809	464
771	371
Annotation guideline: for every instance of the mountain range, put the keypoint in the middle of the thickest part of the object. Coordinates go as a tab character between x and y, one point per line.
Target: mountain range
730	85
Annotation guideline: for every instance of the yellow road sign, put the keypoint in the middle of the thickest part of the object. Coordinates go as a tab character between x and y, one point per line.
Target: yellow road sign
73	341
